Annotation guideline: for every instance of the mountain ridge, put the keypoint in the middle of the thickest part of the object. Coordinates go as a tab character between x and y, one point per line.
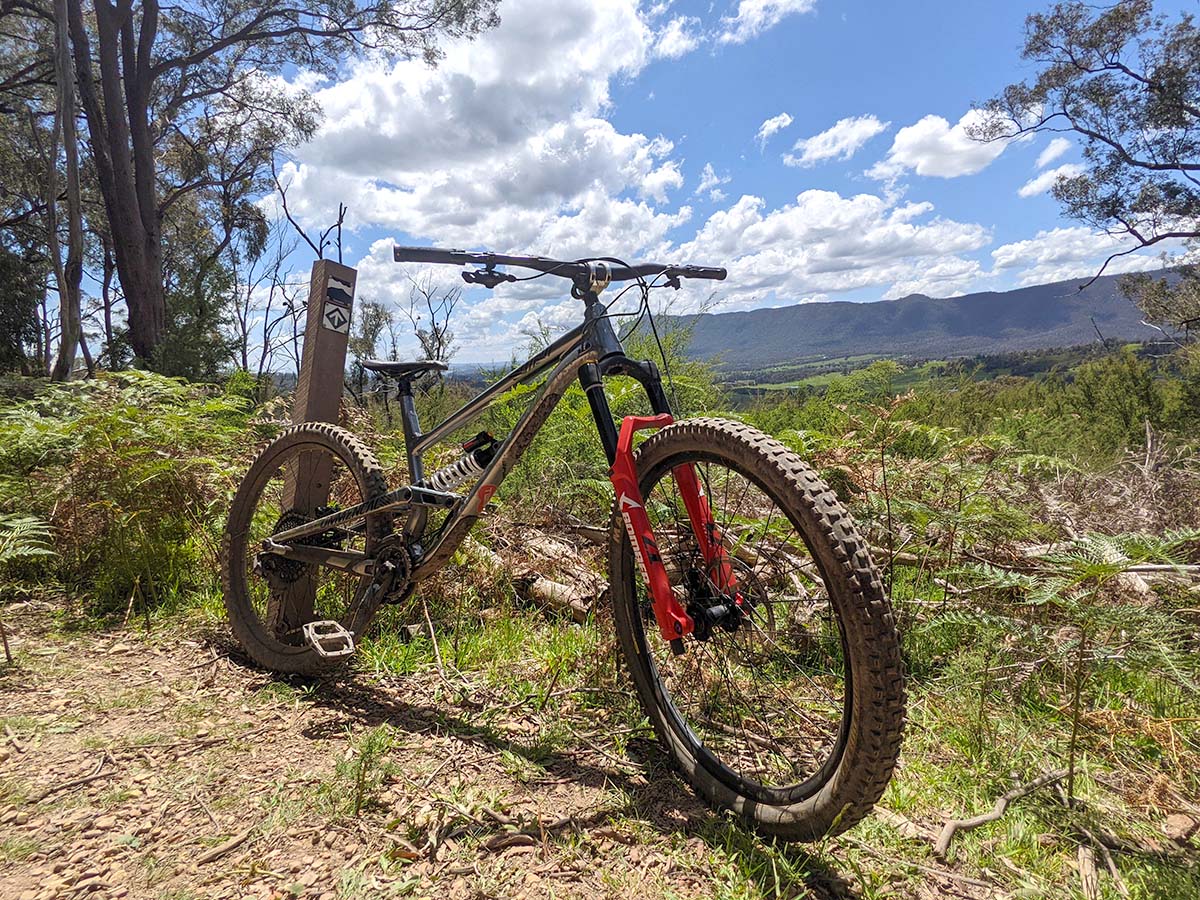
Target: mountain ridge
1044	316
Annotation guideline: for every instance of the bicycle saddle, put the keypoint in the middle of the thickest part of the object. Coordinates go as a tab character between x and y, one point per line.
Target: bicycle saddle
403	369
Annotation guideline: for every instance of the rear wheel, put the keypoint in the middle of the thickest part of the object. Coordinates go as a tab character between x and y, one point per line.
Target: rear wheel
790	712
309	471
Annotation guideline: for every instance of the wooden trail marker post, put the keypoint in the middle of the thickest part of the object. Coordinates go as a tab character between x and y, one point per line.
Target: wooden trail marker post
318	399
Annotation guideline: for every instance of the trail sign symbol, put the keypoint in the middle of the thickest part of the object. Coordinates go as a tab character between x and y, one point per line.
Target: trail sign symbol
338	290
336	318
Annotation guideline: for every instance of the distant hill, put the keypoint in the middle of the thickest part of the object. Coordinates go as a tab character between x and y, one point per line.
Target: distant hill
1039	317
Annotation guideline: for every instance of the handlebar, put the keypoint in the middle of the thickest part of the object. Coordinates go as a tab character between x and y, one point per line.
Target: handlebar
572	269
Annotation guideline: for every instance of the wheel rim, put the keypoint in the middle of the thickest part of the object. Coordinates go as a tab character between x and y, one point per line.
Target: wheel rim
765	707
300	484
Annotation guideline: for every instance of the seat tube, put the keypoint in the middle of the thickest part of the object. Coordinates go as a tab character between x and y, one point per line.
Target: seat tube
414	525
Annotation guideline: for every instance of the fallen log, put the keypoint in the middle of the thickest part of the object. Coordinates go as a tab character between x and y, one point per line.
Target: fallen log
531	585
552	594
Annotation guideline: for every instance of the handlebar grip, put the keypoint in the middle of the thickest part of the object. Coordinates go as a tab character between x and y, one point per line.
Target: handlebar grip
435	255
709	272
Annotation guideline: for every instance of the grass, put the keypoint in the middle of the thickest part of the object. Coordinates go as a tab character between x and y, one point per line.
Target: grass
969	740
17	849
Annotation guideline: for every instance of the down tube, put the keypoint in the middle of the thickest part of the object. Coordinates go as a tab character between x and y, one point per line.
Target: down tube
510	452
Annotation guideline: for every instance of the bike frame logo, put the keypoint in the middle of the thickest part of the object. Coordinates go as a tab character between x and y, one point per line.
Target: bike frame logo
651	548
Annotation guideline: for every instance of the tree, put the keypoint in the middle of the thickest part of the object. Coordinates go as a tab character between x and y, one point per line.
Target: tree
29	165
160	82
431	309
1126	82
258	308
372	321
19	327
69	273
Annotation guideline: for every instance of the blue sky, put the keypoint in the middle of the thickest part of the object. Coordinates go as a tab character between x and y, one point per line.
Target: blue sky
639	130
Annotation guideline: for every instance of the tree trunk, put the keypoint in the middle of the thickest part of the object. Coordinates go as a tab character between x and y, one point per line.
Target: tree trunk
124	153
71	275
106	298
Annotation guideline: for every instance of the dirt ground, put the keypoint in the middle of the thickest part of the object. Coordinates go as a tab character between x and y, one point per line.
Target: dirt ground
167	767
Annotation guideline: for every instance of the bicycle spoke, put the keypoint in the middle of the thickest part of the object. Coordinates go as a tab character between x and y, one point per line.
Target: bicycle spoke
285	594
767	698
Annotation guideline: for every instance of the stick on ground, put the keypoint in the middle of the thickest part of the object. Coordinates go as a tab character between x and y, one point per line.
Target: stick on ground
1089	879
955	825
221	849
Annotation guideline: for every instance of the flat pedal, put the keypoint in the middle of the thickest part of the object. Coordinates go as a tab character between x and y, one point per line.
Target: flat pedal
328	638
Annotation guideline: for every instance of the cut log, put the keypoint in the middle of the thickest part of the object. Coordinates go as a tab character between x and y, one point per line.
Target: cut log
531	585
551	594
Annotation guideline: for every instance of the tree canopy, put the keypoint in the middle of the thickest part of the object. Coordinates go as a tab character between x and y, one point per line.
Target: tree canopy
1125	81
182	112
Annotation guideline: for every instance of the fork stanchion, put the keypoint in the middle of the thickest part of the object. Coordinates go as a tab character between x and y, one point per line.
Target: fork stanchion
318	399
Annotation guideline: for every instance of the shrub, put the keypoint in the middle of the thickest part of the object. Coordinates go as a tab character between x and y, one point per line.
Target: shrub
132	472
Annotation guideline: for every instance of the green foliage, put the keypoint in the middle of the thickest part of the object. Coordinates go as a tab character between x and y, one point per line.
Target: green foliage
133	473
22	538
565	471
359	775
18	312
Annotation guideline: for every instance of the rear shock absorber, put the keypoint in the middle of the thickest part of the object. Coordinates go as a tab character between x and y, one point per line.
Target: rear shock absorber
477	453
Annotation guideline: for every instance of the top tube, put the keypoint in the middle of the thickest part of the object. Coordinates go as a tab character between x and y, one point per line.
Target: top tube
576	270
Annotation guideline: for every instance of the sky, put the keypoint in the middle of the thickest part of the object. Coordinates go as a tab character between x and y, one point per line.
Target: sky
814	148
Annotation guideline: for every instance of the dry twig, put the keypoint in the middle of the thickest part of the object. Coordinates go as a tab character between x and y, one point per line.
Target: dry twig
96	775
956	825
221	849
1089	880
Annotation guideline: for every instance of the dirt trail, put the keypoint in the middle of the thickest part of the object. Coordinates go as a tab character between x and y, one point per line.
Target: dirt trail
166	767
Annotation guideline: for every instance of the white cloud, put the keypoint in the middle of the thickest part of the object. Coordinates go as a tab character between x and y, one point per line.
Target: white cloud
841	141
771	127
950	277
502	145
753	17
1062	253
678	37
826	243
710	183
934	147
1053	151
1046	180
497	141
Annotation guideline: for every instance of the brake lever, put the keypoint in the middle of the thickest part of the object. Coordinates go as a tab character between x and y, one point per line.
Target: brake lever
489	278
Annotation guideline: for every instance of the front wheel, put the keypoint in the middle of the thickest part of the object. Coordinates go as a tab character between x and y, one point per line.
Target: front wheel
791	713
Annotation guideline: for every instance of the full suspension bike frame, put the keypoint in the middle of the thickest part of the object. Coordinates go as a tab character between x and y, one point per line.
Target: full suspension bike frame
589	352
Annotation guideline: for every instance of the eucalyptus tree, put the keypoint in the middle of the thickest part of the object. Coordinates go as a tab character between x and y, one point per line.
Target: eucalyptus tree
170	91
1123	80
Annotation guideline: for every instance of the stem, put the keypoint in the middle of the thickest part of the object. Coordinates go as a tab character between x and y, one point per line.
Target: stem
1076	712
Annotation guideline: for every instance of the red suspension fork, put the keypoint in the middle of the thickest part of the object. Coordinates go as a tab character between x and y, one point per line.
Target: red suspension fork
673	620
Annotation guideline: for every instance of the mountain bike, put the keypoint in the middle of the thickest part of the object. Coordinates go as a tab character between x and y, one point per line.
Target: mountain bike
750	616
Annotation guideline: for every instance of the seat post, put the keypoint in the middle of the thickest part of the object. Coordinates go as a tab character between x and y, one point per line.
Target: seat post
412	427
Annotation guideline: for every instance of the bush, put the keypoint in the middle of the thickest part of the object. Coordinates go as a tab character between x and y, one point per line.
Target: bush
132	472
